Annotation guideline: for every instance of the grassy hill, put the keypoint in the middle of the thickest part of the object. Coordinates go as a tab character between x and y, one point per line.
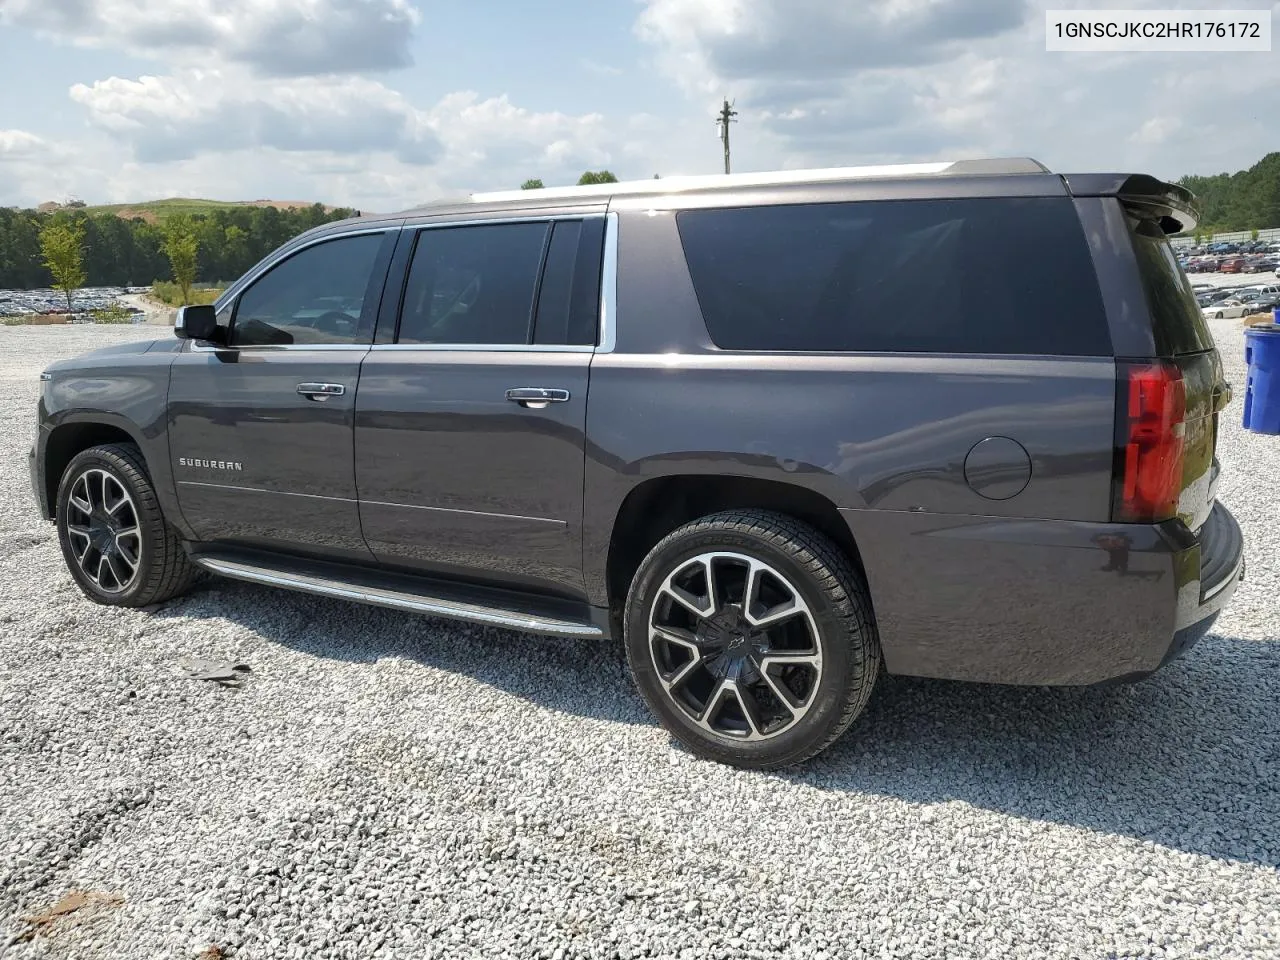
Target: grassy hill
155	211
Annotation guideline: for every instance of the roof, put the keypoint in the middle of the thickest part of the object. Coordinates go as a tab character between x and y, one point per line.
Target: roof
1173	205
604	191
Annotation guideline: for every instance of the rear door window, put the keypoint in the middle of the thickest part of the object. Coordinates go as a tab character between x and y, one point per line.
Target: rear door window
569	298
981	276
473	285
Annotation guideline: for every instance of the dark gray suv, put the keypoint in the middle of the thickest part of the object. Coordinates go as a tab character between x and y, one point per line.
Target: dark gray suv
776	432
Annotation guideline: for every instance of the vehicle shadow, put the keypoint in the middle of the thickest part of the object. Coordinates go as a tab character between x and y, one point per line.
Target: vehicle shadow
1188	759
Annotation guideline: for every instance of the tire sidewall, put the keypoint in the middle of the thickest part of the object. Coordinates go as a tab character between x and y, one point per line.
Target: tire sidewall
134	484
837	656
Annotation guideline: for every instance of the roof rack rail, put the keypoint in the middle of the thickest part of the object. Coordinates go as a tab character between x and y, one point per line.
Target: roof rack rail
991	167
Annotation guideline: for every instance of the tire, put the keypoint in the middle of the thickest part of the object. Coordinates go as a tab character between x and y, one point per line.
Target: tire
110	564
715	670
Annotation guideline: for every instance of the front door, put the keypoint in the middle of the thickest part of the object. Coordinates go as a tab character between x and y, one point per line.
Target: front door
470	427
260	430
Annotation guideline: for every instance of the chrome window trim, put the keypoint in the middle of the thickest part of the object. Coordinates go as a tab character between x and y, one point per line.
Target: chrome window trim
608	292
491	221
609	288
488	347
285	252
201	347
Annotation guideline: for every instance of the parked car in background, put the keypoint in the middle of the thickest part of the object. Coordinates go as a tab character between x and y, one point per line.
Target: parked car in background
1226	309
1263	265
1264	304
1231	265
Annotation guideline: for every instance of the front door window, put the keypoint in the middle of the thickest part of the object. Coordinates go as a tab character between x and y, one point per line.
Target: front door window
320	295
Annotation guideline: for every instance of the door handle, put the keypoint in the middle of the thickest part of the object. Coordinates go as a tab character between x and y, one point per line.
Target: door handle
536	398
321	391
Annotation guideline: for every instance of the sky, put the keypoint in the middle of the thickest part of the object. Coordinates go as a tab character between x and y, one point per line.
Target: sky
387	104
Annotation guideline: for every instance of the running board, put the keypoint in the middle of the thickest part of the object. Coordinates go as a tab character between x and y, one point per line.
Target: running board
454	608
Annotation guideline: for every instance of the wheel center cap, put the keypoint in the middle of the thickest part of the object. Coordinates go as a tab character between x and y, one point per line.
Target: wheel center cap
101	532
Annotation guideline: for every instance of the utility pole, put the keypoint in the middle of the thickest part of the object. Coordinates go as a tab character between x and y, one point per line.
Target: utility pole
727	113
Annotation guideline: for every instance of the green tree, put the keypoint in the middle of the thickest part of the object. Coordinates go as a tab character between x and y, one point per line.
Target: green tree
596	176
533	183
62	248
236	252
1242	200
182	246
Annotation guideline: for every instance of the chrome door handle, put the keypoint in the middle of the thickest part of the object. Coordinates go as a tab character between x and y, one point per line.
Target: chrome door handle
536	398
321	391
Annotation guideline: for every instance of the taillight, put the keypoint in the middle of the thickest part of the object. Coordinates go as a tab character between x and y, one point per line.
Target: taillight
1151	404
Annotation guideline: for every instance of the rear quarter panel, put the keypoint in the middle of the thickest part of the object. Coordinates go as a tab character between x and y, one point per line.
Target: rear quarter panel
1037	588
882	437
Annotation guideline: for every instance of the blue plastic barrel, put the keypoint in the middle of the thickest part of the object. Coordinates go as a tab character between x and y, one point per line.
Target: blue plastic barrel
1262	388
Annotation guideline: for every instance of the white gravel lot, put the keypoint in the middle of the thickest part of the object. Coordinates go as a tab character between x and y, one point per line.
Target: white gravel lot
394	786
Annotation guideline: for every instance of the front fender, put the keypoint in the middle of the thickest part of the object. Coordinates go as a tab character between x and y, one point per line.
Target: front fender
99	398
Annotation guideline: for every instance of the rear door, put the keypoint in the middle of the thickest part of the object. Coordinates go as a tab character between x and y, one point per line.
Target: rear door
470	427
1182	335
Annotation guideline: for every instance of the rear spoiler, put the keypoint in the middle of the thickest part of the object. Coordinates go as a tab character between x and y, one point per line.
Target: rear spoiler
1173	206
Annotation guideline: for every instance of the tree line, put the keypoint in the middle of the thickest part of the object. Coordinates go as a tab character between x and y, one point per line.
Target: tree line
1246	200
225	242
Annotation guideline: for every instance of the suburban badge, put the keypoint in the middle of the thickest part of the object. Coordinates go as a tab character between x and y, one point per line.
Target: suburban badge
210	464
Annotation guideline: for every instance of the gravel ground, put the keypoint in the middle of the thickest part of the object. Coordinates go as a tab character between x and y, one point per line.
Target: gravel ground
394	786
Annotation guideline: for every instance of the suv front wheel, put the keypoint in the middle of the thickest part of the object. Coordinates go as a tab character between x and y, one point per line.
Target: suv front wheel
751	637
116	543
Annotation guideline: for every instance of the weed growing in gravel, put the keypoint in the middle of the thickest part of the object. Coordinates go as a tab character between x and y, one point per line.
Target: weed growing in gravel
114	313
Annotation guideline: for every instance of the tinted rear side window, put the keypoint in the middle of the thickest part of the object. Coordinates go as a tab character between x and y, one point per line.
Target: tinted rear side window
473	284
569	298
1004	276
1178	324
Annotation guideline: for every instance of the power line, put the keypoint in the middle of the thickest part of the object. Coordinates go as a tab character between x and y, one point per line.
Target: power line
727	113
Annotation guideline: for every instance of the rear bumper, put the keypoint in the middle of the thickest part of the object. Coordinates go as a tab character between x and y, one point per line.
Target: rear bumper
1042	601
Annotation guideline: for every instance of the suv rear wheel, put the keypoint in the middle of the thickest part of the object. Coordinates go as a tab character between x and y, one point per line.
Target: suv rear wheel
751	637
116	543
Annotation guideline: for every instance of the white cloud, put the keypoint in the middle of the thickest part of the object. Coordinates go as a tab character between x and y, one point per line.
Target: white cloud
20	145
601	69
494	140
37	169
1156	130
225	132
820	83
275	37
768	40
224	109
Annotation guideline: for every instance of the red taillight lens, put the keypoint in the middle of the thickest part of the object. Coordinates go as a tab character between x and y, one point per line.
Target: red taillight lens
1152	405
